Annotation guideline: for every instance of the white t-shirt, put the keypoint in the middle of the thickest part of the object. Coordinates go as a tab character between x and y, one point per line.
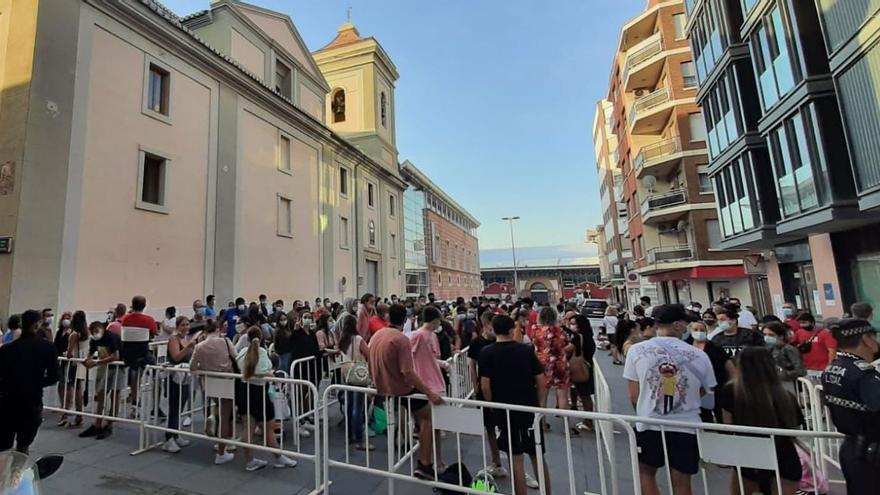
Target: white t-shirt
746	319
610	324
649	311
670	374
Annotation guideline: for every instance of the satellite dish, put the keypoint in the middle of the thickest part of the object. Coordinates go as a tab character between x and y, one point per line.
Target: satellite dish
681	225
649	181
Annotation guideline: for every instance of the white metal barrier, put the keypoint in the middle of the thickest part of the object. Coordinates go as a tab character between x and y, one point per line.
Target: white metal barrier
461	385
738	447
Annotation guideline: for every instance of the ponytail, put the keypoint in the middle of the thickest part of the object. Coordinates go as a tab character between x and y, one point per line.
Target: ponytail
252	357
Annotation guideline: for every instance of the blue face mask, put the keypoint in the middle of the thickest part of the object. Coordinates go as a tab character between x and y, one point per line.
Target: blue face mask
724	325
788	312
202	311
770	340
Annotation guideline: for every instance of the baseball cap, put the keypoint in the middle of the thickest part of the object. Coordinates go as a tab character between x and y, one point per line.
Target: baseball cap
670	313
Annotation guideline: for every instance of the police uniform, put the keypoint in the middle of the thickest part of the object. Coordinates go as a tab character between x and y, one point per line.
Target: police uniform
852	392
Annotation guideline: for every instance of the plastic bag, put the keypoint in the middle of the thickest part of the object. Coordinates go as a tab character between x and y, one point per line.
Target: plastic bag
380	420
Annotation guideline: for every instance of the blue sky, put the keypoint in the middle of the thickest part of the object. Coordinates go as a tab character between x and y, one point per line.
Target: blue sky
495	99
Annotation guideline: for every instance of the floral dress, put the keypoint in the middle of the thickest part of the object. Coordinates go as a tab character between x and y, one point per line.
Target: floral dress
550	345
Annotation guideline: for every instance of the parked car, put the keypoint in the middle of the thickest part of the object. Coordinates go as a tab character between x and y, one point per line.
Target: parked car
594	310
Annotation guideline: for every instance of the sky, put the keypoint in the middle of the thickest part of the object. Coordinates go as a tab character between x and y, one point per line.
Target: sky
495	100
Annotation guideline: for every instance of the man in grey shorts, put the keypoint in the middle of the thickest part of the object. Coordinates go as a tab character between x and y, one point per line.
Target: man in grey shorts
109	379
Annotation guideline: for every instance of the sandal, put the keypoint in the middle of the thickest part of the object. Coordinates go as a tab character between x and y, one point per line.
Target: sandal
74	424
63	421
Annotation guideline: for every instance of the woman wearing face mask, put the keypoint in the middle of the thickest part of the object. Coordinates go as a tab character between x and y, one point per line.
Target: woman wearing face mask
711	322
169	324
179	351
61	341
581	335
303	344
722	367
78	350
628	333
426	355
365	312
282	343
786	356
254	401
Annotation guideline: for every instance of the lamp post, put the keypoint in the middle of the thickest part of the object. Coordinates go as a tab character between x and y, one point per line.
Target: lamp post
513	250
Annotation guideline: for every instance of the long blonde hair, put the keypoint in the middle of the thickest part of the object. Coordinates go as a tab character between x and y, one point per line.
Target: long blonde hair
255	335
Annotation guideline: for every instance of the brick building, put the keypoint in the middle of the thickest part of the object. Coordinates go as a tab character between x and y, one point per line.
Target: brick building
442	249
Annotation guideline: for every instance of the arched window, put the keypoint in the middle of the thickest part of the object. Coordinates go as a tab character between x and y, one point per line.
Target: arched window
372	233
383	102
337	105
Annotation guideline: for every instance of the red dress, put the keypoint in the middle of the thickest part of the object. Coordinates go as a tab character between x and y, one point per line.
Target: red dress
550	345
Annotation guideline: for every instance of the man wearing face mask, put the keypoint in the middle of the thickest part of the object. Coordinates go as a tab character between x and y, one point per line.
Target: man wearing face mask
198	322
852	392
789	313
234	316
722	367
733	338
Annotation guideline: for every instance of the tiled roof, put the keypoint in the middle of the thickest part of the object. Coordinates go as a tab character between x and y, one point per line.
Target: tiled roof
347	35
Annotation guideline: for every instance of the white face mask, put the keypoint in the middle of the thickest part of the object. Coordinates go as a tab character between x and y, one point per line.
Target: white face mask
699	336
65	323
307	322
49	321
573	327
724	325
97	336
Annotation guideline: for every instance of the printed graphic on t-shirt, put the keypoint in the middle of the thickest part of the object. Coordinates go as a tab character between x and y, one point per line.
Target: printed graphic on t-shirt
668	384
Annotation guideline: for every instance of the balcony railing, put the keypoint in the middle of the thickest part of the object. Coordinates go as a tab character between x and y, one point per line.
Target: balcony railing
642	55
648	102
664	200
656	152
672	253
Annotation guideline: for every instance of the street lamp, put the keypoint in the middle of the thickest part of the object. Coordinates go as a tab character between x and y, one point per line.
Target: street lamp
513	250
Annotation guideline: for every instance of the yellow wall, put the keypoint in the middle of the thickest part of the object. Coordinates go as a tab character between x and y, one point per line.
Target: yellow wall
123	250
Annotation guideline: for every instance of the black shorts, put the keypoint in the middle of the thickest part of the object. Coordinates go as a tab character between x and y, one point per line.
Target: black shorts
522	438
682	449
414	405
488	413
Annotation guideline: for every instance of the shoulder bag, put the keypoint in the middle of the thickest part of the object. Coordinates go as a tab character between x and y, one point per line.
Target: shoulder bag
355	373
578	367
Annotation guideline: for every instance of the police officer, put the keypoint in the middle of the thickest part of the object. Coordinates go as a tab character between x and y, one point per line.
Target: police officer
852	392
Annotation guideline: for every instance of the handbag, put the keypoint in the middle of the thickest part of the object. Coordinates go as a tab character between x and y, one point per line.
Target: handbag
578	367
235	368
355	373
807	346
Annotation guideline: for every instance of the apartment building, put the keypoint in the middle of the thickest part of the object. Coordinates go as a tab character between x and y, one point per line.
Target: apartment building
611	237
788	91
663	160
442	249
147	153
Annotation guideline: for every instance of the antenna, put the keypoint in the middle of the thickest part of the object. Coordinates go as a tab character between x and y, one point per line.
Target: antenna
348	13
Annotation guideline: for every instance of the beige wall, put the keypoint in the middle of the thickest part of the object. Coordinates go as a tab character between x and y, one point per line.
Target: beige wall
311	102
248	55
285	267
354	101
343	257
279	30
124	251
825	270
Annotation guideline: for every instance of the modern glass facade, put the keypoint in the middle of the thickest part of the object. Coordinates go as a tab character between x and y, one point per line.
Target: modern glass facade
775	62
414	242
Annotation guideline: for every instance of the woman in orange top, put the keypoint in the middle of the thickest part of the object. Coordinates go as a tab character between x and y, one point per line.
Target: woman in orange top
552	347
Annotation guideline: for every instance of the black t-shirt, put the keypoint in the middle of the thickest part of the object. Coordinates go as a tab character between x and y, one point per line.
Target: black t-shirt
512	368
477	345
724	396
733	344
105	346
26	366
468	331
718	358
445	338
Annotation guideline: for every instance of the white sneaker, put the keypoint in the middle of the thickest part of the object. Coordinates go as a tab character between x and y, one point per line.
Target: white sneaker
171	446
497	471
531	482
229	447
255	465
304	433
223	459
282	461
182	442
187	421
307	426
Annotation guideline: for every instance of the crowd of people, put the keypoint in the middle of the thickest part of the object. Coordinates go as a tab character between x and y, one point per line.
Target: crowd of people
721	364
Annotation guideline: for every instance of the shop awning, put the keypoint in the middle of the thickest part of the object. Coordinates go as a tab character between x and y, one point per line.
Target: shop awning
701	273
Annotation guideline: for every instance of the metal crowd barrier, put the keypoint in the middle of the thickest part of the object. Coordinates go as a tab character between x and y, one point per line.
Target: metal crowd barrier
818	418
460	425
460	383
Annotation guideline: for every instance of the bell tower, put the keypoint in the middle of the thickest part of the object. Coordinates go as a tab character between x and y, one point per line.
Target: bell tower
360	106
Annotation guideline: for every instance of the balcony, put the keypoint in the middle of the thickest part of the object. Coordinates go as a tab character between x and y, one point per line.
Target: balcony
681	252
649	113
664	207
644	64
659	158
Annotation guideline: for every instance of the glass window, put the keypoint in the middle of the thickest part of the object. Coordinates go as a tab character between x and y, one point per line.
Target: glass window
705	183
343	232
697	127
153	180
772	58
283	84
678	21
689	74
713	234
723	209
343	181
792	152
284	153
285	217
803	170
371	195
158	89
371	231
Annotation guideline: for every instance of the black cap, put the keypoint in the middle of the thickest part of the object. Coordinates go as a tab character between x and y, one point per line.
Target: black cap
670	313
849	327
